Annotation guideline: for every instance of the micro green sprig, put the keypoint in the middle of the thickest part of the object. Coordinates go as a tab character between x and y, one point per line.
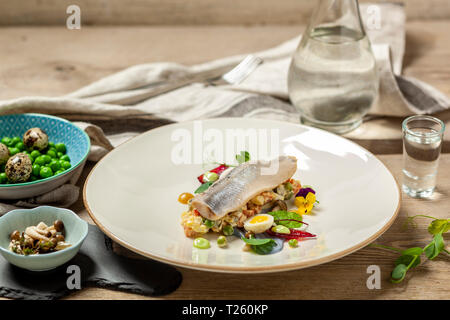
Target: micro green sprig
411	258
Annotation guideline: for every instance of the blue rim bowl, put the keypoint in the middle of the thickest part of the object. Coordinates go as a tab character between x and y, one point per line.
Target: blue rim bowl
59	131
76	231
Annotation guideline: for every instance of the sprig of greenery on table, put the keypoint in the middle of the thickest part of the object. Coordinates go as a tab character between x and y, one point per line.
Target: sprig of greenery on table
411	258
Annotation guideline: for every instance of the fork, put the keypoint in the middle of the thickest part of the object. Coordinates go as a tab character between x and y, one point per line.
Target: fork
238	73
222	75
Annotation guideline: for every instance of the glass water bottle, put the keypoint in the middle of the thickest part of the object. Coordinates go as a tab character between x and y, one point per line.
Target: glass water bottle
333	78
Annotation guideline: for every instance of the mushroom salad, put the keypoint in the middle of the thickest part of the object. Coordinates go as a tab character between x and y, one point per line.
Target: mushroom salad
39	239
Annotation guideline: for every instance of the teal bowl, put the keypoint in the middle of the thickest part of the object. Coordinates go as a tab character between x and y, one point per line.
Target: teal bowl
76	231
58	131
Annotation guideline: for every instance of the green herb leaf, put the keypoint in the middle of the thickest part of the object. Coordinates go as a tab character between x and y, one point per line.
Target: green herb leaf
256	242
439	226
399	273
416	251
204	187
435	247
265	248
282	215
244	156
406	260
260	246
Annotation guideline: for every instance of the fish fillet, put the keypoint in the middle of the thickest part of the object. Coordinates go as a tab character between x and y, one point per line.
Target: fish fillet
241	184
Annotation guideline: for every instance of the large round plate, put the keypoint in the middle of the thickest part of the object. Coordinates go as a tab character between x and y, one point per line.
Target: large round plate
132	195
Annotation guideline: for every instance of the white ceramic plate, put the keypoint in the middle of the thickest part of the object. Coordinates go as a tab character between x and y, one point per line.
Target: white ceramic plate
132	196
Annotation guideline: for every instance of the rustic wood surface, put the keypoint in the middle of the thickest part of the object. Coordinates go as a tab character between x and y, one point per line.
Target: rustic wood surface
342	279
182	12
53	61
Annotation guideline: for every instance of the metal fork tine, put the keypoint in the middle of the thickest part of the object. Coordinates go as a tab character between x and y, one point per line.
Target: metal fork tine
242	70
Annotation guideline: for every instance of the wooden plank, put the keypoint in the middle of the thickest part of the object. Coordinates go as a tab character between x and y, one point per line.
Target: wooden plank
77	58
341	279
182	12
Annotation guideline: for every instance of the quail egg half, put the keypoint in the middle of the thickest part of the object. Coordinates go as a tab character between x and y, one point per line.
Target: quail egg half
259	223
4	153
18	168
36	138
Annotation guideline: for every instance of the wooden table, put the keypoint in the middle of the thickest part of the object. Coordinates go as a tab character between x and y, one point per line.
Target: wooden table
53	61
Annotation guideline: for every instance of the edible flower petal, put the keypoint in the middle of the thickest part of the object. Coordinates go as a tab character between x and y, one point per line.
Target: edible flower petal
305	204
303	192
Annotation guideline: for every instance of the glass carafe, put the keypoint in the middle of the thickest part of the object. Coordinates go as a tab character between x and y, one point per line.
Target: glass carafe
333	78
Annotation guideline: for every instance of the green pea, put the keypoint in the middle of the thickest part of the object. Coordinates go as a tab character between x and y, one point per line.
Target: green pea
36	169
221	241
60	147
47	158
288	186
293	243
13	151
33	178
35	154
201	243
20	146
15	141
3	178
281	229
53	149
58	172
6	141
51	153
211	176
51	145
39	160
46	172
208	223
228	230
65	165
59	155
65	158
55	165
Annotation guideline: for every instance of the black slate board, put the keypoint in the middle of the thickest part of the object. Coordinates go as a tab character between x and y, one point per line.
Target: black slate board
100	267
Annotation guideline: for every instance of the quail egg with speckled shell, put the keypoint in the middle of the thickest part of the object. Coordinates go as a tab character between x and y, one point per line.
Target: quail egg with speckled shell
36	138
18	168
4	154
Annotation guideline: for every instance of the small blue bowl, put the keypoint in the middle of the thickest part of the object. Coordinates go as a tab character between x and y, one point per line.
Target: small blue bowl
58	131
76	231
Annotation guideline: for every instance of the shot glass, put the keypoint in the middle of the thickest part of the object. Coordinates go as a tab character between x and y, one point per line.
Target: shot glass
422	140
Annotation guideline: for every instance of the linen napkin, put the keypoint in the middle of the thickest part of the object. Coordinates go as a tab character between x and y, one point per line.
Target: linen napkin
99	267
124	104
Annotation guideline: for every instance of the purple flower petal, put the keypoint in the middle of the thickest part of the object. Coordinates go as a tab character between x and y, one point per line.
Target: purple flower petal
303	192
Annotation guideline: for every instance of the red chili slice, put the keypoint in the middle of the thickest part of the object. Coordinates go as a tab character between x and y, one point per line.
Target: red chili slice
217	170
